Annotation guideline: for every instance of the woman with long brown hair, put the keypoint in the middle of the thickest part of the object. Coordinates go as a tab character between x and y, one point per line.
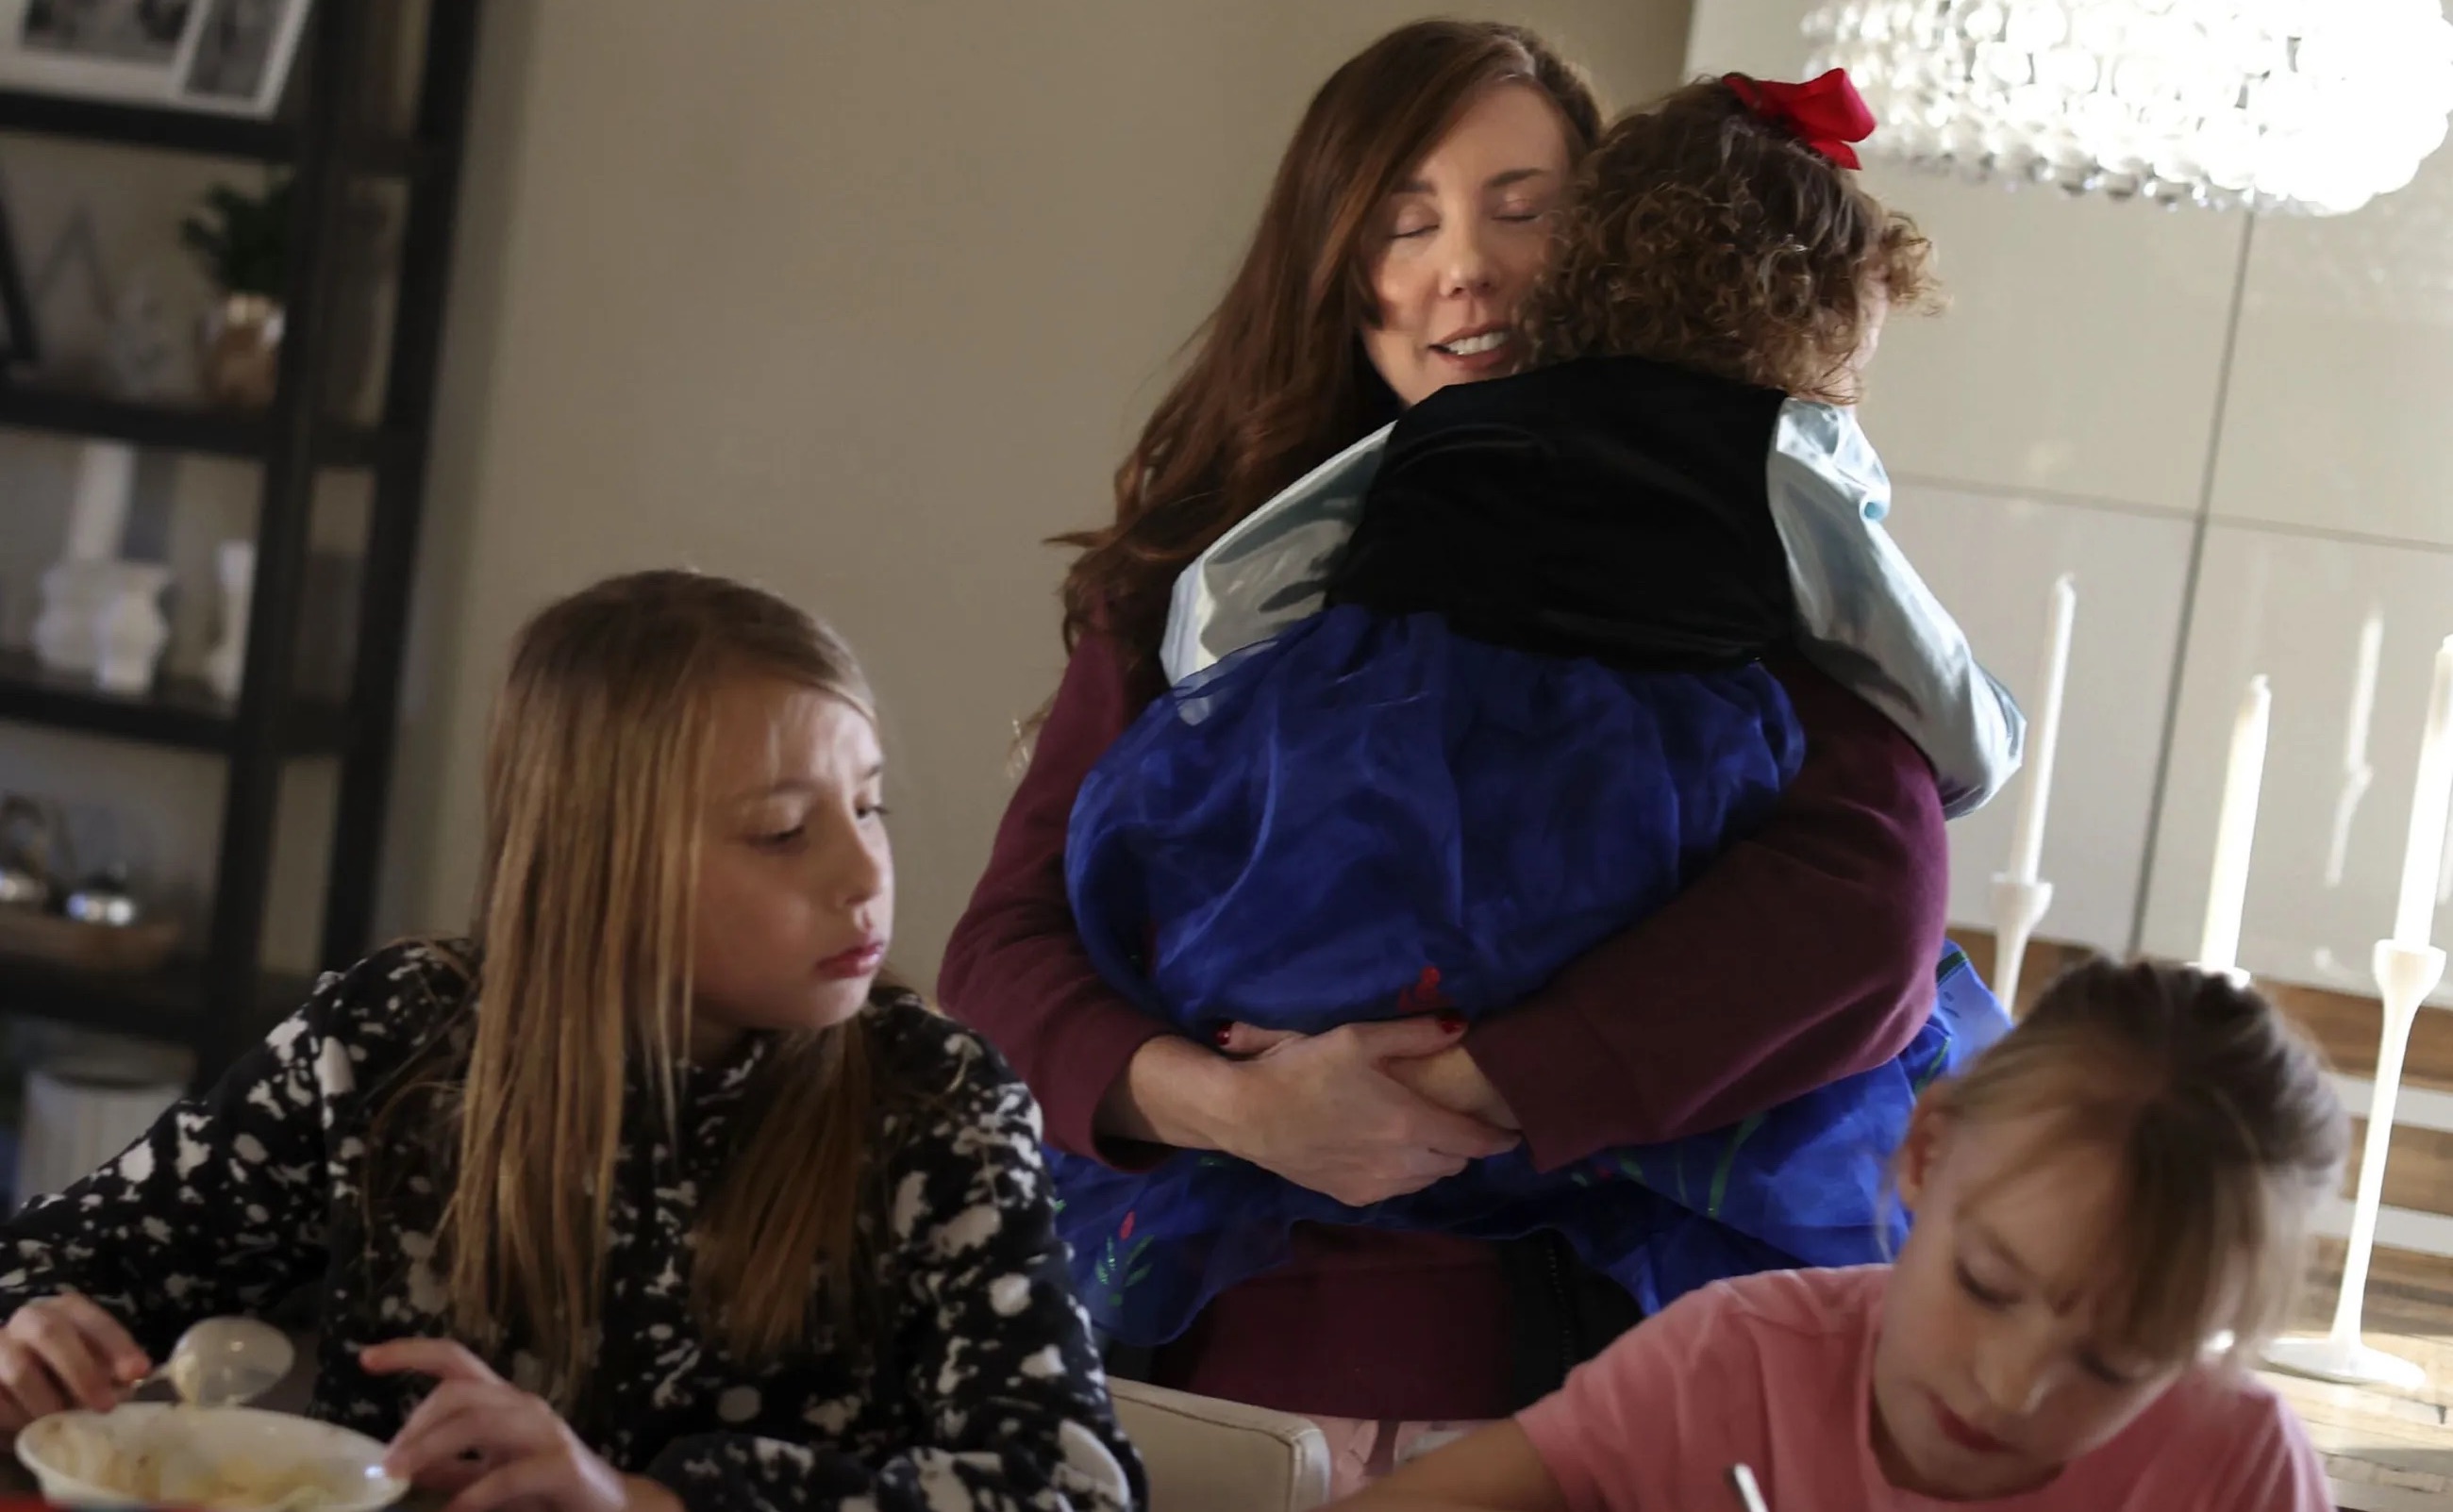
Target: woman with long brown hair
654	1193
1407	221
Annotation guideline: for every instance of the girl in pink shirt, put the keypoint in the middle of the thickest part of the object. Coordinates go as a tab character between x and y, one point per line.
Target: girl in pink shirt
2104	1197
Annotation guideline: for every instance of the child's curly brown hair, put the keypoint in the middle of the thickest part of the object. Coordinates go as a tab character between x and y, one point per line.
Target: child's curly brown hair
1700	234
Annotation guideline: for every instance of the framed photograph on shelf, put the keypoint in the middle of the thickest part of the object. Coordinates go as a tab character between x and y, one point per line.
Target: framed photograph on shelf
229	57
239	60
110	50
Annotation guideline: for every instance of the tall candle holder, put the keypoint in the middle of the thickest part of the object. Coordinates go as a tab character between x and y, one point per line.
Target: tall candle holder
2408	968
2019	894
2404	974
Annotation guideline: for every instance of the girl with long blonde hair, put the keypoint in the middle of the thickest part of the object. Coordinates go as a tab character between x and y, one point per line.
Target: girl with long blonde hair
653	1192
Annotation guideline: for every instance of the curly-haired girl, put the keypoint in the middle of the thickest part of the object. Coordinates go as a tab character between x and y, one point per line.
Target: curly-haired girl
1534	709
1715	233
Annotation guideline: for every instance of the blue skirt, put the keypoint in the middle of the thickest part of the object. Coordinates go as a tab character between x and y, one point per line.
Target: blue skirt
1368	817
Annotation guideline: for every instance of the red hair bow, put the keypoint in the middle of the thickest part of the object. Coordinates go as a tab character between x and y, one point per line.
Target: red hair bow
1827	113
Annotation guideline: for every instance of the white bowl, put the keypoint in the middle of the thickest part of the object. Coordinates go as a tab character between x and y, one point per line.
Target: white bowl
137	1441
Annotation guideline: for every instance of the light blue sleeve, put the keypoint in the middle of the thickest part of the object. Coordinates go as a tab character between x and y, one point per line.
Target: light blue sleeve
1272	571
1869	621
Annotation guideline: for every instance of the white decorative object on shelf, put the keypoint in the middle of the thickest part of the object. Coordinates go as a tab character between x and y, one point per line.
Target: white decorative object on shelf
105	481
2408	968
104	619
130	632
143	351
65	631
2313	105
2236	831
79	589
2019	897
226	665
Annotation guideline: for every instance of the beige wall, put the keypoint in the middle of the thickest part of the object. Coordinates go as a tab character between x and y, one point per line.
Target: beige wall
860	301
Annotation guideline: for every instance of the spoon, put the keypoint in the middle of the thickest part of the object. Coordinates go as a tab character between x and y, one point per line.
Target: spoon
1742	1480
225	1361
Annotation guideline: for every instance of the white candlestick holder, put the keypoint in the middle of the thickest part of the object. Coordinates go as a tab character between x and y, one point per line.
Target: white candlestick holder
2404	974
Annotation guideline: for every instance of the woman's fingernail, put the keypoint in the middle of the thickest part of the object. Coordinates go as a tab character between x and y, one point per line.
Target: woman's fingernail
1223	1036
1452	1023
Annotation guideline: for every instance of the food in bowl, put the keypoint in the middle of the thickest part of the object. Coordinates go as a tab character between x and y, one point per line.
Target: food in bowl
207	1459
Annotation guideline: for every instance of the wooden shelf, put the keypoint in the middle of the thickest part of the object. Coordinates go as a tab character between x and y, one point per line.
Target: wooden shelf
165	1005
179	711
176	428
205	132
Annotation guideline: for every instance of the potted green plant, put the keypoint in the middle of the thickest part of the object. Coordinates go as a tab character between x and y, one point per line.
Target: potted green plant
241	241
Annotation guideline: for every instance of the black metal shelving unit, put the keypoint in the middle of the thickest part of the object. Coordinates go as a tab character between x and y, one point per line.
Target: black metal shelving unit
218	999
178	429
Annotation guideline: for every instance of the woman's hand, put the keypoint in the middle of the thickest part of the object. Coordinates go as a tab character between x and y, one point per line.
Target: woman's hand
486	1444
1334	1113
58	1353
1448	1077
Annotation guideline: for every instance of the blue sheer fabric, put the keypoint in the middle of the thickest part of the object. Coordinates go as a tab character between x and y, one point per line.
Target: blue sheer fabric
1370	816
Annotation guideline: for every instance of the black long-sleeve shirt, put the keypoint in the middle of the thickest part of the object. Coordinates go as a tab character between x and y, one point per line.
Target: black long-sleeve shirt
981	1391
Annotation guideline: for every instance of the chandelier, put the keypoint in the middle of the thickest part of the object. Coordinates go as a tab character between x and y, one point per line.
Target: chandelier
2308	106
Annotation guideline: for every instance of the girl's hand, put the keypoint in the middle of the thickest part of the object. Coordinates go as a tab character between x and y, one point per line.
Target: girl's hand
486	1444
1453	1081
1448	1077
58	1353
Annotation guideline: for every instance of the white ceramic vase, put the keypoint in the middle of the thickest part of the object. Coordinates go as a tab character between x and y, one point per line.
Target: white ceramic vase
106	485
129	630
65	631
226	667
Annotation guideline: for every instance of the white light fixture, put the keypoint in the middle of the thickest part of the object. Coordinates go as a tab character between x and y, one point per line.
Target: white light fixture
2311	106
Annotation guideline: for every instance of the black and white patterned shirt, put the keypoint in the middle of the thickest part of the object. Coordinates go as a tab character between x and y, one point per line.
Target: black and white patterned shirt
982	1391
